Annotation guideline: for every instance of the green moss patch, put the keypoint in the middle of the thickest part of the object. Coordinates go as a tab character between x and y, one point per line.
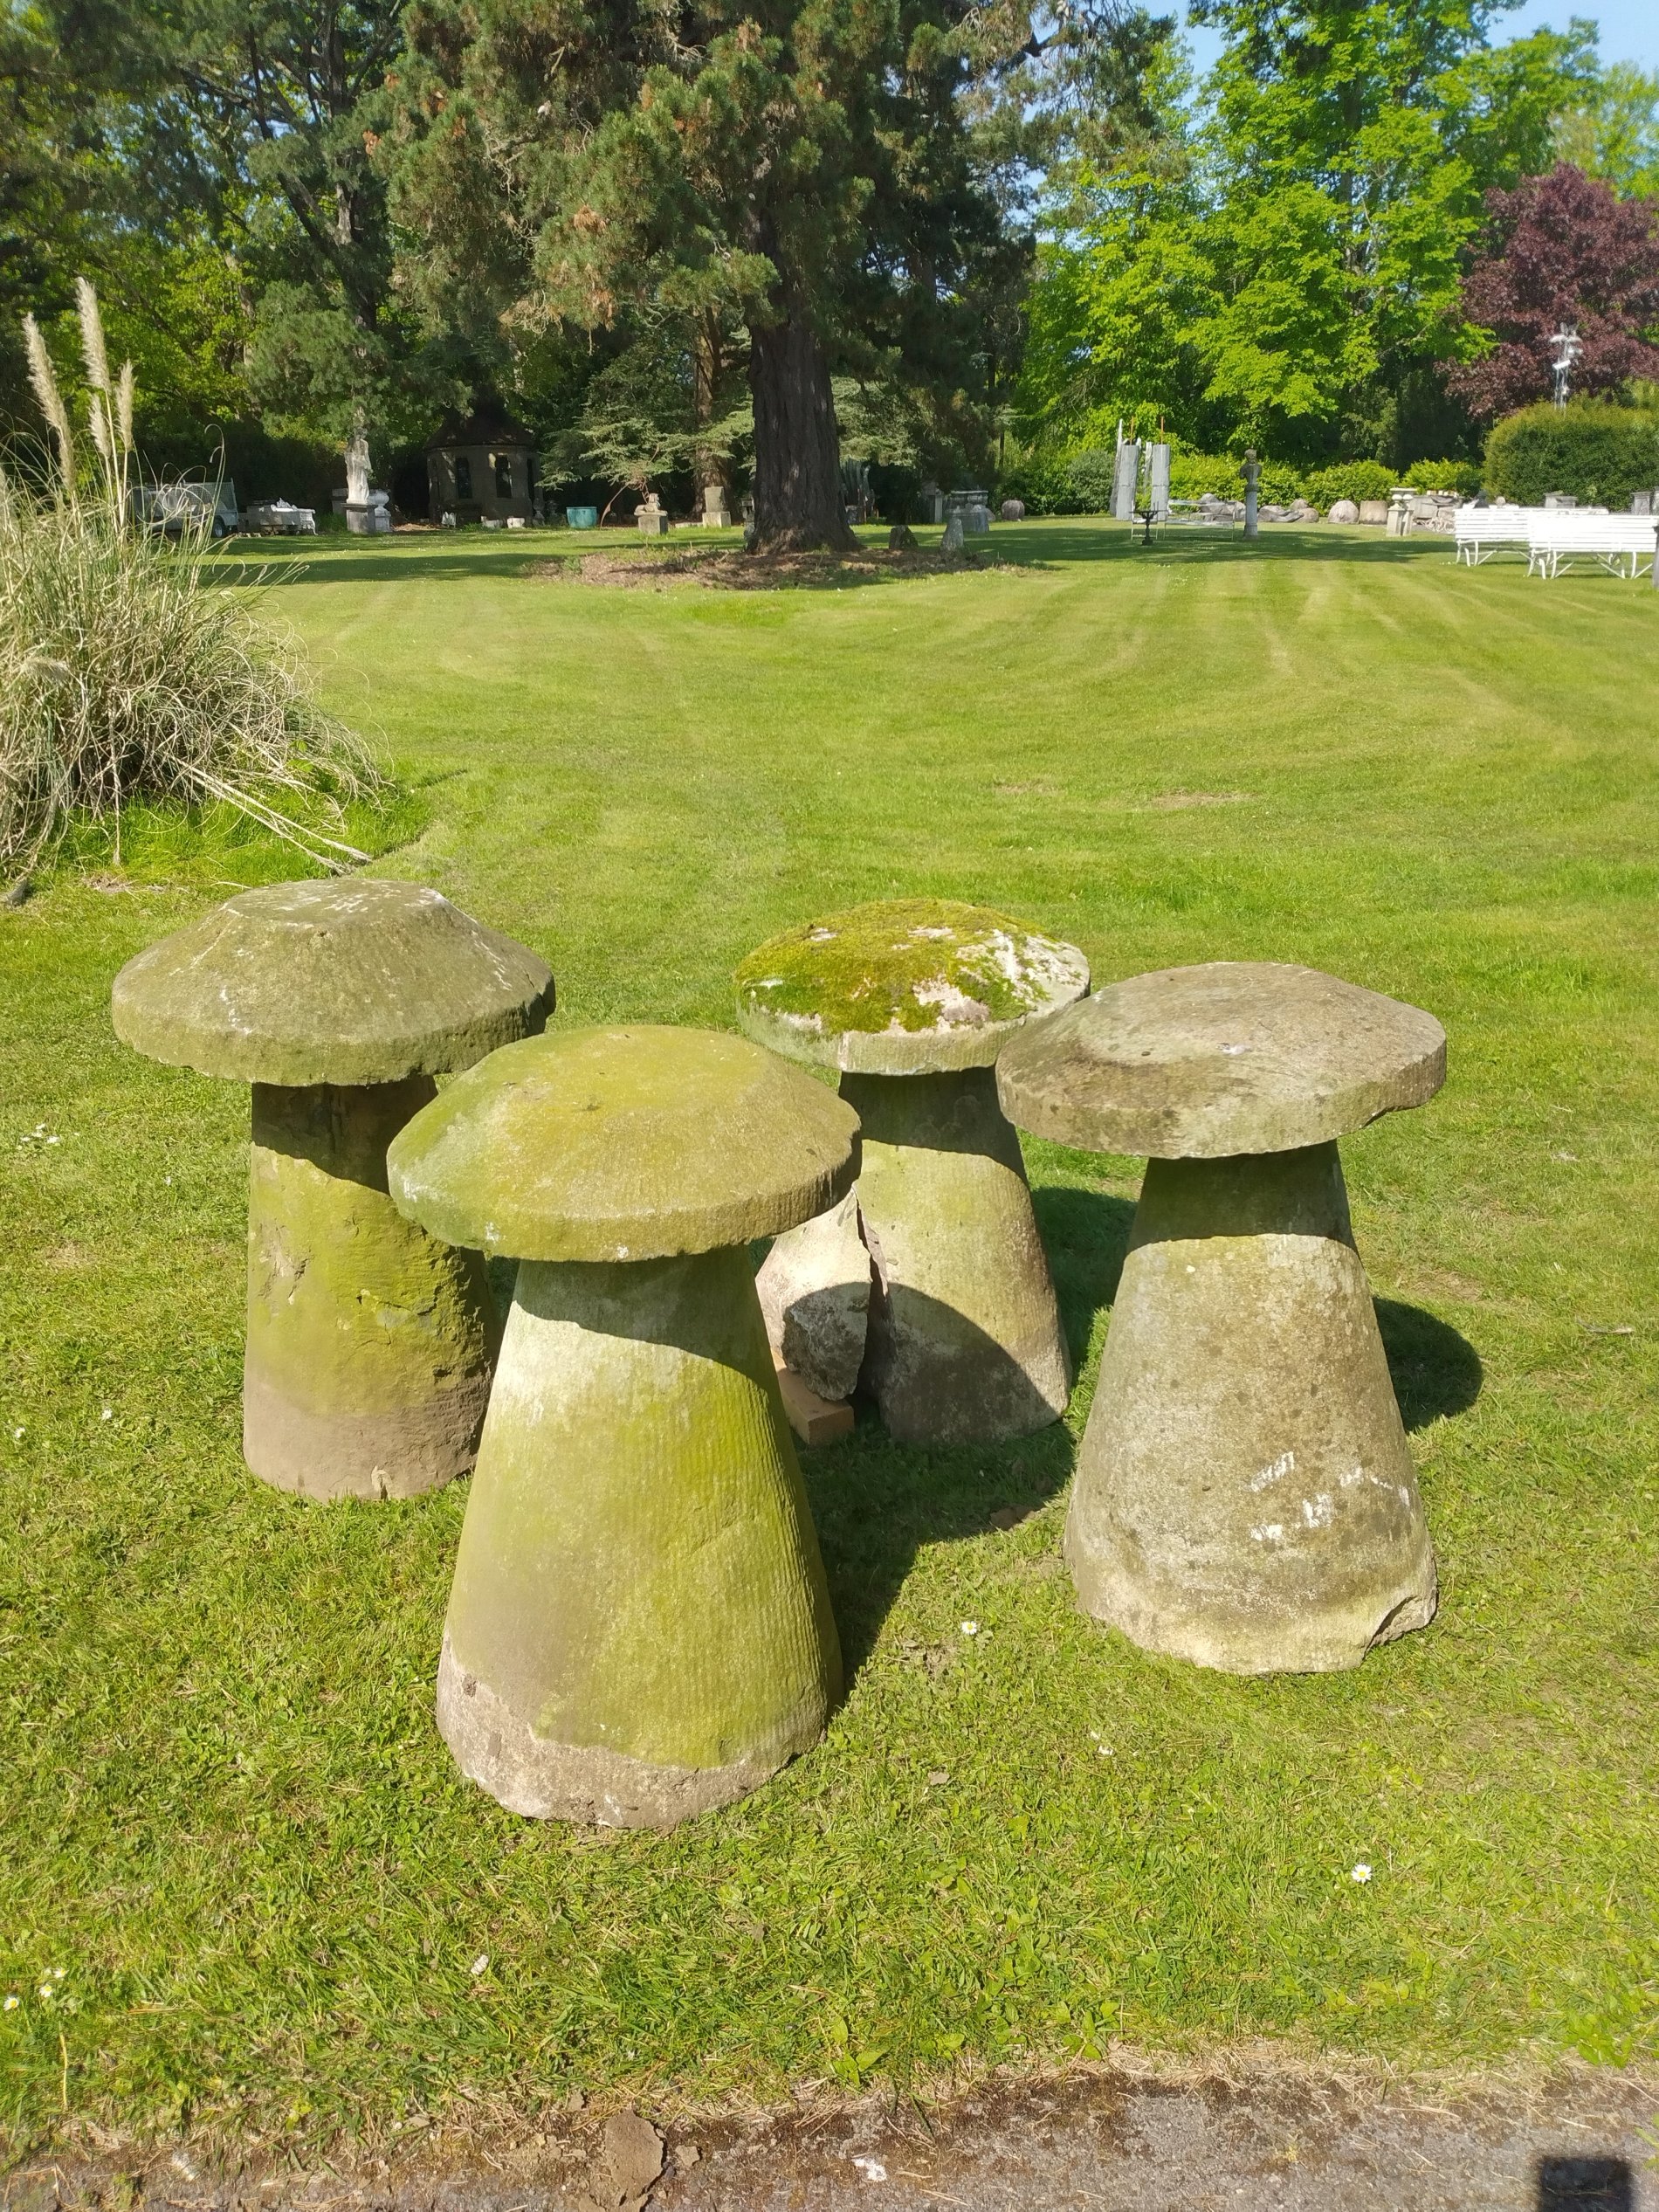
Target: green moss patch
908	964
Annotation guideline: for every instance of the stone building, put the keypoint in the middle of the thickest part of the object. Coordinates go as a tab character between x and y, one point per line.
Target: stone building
481	468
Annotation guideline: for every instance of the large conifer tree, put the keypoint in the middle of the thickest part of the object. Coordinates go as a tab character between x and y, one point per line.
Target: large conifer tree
803	167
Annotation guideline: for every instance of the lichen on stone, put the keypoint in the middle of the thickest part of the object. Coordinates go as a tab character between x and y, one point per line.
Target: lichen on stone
908	965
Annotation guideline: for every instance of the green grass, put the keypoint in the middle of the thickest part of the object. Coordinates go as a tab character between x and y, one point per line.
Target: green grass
227	1816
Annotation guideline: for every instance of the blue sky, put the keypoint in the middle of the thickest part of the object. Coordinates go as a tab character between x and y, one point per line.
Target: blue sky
1629	28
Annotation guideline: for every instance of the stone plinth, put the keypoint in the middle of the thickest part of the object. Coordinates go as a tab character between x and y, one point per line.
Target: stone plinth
639	1628
912	1000
1245	1497
370	1347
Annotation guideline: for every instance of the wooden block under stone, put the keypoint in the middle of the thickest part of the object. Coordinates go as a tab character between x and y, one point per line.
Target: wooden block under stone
815	1420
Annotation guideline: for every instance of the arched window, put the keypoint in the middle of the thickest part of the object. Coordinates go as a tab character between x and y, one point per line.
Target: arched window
462	476
504	476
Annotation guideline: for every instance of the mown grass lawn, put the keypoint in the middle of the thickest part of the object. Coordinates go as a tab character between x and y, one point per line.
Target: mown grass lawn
235	1850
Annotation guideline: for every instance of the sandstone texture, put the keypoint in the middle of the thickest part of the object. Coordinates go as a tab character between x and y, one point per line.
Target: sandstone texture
639	1628
369	1345
1233	1057
1245	1497
965	1345
624	1144
347	981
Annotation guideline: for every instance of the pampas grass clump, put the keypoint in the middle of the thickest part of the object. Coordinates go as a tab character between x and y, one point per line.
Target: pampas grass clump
126	674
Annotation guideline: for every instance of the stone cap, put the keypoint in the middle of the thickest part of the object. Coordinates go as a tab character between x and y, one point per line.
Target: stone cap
349	980
1233	1057
629	1143
904	986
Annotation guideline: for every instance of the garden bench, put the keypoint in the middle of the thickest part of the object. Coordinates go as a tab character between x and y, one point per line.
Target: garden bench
1620	542
1482	531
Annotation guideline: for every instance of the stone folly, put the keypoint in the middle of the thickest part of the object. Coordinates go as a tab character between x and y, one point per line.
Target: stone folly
638	1628
1244	1495
912	1000
369	1346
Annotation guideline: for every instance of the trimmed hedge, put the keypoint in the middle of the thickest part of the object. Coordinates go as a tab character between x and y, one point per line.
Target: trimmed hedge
1445	476
1595	453
1354	480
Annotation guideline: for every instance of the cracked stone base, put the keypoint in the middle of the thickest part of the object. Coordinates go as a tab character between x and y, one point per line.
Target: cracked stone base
584	1783
1245	1496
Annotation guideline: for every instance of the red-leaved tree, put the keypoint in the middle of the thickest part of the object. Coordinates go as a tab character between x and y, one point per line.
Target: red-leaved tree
1561	250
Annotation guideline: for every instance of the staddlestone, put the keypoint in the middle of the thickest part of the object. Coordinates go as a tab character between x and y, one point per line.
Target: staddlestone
814	1287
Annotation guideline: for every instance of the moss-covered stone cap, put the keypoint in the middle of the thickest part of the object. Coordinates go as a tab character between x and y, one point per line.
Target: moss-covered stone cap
1236	1056
904	986
354	980
636	1143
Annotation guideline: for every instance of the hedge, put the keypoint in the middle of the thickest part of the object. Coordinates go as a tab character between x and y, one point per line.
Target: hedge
1597	453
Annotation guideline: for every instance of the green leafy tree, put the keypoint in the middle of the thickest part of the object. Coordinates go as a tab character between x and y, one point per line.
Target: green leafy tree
1281	266
278	103
802	172
1613	131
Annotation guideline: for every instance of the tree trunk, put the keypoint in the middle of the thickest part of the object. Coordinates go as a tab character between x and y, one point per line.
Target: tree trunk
708	468
797	452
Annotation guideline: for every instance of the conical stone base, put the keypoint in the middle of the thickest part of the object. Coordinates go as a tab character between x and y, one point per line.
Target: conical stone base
1245	1497
369	1344
965	1339
639	1628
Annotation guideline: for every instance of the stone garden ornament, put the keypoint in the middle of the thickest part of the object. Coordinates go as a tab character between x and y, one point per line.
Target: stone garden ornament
958	1333
638	1628
369	1346
1244	1495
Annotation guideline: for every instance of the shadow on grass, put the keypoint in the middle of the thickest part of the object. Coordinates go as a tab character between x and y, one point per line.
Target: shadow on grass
876	1503
1435	1371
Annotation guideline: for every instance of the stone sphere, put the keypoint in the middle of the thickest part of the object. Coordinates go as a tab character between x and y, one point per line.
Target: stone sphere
1344	511
1014	510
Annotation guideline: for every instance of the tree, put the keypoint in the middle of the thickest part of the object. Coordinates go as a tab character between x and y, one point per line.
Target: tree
1561	250
1614	131
277	101
1282	265
802	170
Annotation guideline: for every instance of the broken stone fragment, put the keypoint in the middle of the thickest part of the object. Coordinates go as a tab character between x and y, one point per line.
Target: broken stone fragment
629	2163
369	1346
814	1287
1245	1496
638	1628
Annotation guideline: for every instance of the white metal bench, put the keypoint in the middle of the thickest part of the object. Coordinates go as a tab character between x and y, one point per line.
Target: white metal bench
1482	531
1622	543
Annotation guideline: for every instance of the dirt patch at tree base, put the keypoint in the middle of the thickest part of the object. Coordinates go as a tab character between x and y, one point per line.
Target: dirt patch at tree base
1248	2128
724	568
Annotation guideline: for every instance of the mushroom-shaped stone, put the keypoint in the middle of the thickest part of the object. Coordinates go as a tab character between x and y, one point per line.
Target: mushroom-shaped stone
912	999
638	1628
1244	1495
369	1345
